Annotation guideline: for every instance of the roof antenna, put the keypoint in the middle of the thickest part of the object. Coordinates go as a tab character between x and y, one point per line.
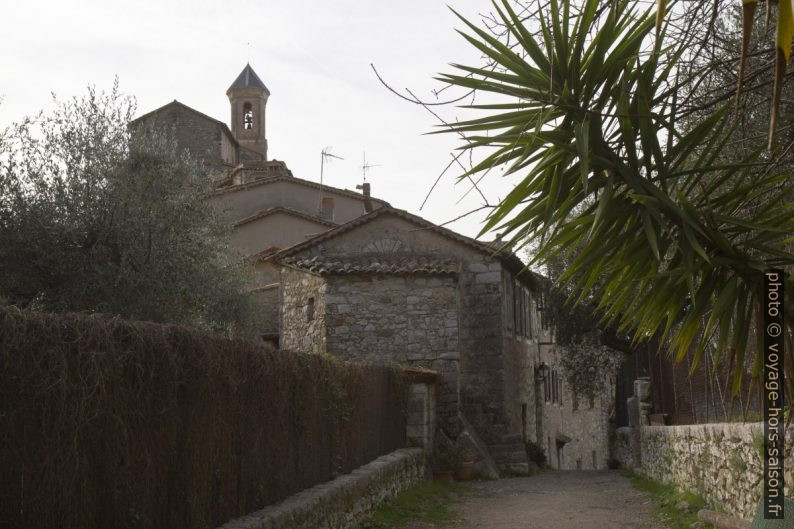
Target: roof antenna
365	185
326	154
366	167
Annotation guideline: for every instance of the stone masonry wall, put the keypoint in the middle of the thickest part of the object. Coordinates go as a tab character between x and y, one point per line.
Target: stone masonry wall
197	134
482	360
720	462
407	319
584	422
344	502
303	304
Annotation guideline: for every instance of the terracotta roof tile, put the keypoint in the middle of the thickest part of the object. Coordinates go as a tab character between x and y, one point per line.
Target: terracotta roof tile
397	265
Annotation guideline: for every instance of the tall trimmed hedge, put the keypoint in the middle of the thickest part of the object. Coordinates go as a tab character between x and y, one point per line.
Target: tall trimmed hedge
106	423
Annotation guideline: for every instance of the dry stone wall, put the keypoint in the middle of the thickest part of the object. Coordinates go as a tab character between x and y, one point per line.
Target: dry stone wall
720	462
344	502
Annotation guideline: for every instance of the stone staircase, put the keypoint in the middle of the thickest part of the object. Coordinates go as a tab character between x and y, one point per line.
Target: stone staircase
509	454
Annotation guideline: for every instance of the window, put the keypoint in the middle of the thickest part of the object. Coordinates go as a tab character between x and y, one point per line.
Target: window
547	388
310	310
529	315
543	309
575	402
559	389
518	304
248	116
509	294
592	402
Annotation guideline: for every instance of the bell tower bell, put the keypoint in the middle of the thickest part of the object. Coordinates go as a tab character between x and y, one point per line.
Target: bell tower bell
248	97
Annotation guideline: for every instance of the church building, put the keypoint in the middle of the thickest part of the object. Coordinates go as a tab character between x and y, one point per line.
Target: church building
267	206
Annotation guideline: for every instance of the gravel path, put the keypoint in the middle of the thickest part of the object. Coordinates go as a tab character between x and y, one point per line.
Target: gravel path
557	500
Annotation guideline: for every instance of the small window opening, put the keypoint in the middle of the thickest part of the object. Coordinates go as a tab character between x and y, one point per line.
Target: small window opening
310	310
248	116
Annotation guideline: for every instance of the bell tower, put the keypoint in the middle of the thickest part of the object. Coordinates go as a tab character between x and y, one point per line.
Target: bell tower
248	97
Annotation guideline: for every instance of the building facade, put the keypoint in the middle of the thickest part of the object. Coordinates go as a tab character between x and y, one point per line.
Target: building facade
390	287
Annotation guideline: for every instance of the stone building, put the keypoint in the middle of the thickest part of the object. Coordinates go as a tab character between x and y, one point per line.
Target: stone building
267	207
390	287
573	430
342	272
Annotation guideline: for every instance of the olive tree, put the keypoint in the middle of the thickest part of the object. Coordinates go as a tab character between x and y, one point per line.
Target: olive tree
96	217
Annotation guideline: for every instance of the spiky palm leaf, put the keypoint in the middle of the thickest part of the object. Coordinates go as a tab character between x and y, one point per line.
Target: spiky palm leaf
668	239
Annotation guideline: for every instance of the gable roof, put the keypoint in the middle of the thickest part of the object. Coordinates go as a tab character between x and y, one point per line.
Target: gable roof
508	258
179	104
284	178
393	265
248	79
288	211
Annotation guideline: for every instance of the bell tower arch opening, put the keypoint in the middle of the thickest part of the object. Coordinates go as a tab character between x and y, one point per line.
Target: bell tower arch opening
248	97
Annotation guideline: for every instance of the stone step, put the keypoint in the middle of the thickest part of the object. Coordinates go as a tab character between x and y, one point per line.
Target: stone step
512	438
503	448
510	457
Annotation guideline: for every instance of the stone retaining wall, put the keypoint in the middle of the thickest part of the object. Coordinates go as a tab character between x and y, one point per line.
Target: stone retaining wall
344	502
720	462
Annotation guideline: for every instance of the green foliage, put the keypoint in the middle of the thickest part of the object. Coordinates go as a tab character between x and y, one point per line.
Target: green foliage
428	501
666	497
446	455
668	241
96	218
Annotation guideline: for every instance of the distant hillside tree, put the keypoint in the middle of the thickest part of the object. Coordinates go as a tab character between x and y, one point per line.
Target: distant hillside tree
96	218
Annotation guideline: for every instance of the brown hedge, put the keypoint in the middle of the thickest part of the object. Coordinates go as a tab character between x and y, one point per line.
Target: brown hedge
106	423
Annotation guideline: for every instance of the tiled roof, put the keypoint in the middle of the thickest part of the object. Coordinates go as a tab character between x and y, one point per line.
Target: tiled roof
508	258
248	79
265	180
409	264
288	211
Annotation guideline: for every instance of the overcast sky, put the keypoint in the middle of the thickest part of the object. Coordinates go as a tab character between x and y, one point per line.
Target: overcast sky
313	55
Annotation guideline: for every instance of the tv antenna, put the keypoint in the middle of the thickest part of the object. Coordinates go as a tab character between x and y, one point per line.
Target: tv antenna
366	167
326	154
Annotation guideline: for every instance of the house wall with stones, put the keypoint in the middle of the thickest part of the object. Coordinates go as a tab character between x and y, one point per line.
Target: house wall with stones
488	378
303	319
409	319
521	336
573	430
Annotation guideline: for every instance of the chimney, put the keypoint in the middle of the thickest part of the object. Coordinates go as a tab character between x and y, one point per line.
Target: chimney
365	191
327	208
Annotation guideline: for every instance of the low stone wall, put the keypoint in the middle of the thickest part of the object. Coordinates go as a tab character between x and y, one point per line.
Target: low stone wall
343	502
720	462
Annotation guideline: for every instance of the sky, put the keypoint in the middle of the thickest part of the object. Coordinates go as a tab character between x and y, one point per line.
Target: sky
314	56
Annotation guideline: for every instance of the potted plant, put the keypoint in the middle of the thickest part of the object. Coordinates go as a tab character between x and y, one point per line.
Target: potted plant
465	470
445	459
